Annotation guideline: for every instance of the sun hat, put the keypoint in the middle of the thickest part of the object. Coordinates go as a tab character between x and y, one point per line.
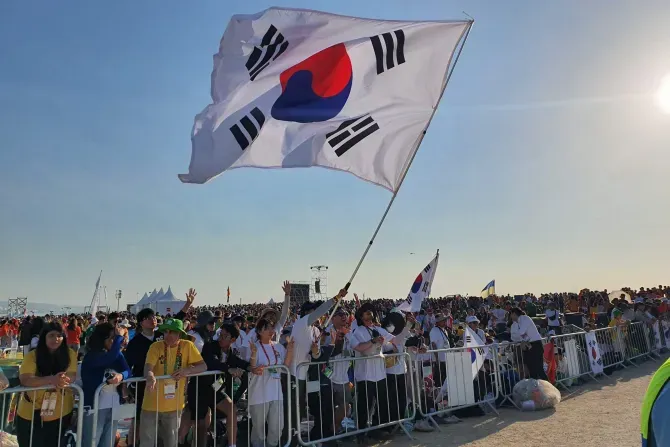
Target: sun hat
124	323
174	325
440	317
471	319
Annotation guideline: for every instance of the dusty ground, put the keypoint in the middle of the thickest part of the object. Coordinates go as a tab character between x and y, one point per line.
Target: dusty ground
595	414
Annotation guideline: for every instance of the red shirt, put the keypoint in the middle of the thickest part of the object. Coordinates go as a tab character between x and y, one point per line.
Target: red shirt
73	336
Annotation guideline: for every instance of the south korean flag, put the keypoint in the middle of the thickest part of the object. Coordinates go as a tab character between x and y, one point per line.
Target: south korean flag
420	288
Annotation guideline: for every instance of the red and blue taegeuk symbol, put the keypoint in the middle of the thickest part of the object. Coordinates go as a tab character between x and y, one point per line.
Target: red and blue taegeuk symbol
315	89
417	283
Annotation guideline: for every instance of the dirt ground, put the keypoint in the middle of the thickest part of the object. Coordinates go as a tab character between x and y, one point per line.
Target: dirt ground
604	413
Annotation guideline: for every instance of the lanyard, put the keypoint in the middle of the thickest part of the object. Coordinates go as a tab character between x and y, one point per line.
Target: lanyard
273	351
177	360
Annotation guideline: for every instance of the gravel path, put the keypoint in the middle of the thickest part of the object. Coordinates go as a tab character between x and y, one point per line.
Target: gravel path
604	413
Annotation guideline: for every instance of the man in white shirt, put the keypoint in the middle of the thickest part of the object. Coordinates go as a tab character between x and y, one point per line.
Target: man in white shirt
303	334
370	374
523	330
439	339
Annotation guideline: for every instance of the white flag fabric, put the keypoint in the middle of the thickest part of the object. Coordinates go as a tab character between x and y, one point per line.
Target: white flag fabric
300	88
420	288
658	344
593	351
477	349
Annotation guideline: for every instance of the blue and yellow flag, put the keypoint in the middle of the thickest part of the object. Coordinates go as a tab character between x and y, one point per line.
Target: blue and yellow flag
489	289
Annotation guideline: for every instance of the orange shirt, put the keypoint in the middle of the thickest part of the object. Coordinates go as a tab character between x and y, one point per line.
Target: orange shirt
73	336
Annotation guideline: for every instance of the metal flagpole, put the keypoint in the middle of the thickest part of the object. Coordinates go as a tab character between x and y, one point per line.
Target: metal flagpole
404	174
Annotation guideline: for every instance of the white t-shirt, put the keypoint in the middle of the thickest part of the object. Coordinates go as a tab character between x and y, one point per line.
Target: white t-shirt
267	388
525	330
552	317
441	340
372	370
400	366
340	369
303	336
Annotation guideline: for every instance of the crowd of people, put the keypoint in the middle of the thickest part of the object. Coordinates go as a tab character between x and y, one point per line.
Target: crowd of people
256	347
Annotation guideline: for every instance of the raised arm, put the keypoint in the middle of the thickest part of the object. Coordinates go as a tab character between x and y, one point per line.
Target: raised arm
287	302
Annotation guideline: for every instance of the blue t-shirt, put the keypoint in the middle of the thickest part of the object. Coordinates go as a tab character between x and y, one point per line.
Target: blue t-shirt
659	419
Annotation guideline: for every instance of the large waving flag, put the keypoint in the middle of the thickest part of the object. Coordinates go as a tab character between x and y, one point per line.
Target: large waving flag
489	289
299	88
420	288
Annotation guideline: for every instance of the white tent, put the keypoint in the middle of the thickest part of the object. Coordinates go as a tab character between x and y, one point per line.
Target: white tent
161	302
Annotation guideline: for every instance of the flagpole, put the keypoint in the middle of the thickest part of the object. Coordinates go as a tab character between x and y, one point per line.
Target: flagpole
409	164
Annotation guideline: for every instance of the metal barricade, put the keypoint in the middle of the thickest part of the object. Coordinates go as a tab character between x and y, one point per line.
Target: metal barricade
636	341
455	379
573	358
611	346
511	369
655	338
375	404
31	400
195	414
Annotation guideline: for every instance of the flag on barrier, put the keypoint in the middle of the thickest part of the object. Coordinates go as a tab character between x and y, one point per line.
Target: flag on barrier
420	288
477	351
593	351
657	336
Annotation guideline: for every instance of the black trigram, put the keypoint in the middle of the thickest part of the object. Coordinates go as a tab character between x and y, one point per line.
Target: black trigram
272	46
427	269
409	299
350	133
389	50
425	286
250	128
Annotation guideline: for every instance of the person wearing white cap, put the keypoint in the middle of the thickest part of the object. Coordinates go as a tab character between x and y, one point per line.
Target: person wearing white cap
473	323
439	339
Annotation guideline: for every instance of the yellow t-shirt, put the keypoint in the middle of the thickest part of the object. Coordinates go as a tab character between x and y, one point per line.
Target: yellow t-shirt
156	357
29	366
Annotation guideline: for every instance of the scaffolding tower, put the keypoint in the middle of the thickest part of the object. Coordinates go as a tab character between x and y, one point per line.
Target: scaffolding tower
17	306
319	284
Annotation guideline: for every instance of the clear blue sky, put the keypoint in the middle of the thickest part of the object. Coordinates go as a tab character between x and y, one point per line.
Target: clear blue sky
545	168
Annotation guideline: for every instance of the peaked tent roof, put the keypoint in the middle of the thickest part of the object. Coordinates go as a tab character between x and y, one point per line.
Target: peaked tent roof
144	299
169	296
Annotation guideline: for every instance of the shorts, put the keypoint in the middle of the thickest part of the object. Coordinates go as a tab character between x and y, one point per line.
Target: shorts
204	400
342	394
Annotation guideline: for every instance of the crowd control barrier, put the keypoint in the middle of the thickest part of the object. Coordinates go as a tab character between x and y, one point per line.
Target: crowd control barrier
338	409
510	369
636	341
611	347
471	379
573	358
51	411
204	408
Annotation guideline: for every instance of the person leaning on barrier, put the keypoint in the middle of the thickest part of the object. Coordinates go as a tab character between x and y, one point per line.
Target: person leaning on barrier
216	390
398	325
439	339
265	391
303	333
370	373
339	334
103	363
523	330
51	364
164	399
319	389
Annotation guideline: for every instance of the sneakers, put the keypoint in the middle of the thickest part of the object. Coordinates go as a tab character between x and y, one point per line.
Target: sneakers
423	425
